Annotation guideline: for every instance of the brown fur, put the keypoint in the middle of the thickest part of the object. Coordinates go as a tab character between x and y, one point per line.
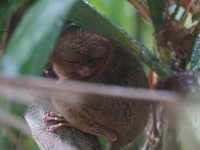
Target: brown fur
119	120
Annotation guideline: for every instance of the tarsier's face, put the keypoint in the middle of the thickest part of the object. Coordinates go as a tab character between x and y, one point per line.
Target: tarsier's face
79	54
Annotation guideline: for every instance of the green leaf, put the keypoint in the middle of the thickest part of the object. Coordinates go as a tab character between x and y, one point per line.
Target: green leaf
111	9
104	143
157	8
195	58
102	6
196	17
84	15
114	13
30	47
6	9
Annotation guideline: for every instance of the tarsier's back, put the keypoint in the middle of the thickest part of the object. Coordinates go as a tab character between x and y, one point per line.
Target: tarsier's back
92	58
125	116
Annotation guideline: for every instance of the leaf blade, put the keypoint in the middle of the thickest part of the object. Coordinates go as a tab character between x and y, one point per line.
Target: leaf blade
157	8
94	21
35	37
195	61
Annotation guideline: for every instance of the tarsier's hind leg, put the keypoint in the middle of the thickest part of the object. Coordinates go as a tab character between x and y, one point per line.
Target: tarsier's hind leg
55	121
88	125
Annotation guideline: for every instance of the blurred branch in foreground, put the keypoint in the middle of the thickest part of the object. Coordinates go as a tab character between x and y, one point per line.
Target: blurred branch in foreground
41	90
27	88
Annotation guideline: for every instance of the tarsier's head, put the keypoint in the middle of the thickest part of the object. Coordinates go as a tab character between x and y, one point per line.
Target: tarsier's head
79	54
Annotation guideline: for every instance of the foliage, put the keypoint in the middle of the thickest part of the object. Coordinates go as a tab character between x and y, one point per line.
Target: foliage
157	11
6	9
195	62
32	42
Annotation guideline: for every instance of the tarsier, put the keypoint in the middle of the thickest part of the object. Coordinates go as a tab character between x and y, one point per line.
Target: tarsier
85	56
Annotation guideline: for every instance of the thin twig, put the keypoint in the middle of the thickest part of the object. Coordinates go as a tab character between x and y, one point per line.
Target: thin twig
14	121
142	9
27	88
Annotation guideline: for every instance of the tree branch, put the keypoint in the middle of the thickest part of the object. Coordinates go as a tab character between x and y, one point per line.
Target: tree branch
65	139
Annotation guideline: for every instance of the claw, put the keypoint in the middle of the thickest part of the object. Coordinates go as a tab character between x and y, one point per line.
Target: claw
58	126
55	121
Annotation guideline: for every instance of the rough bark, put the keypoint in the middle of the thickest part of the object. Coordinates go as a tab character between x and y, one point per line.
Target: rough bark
64	139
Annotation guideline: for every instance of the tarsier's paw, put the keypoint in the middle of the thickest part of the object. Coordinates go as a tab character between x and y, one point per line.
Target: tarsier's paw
55	121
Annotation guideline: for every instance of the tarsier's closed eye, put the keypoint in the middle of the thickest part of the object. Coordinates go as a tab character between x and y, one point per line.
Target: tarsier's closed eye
72	61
